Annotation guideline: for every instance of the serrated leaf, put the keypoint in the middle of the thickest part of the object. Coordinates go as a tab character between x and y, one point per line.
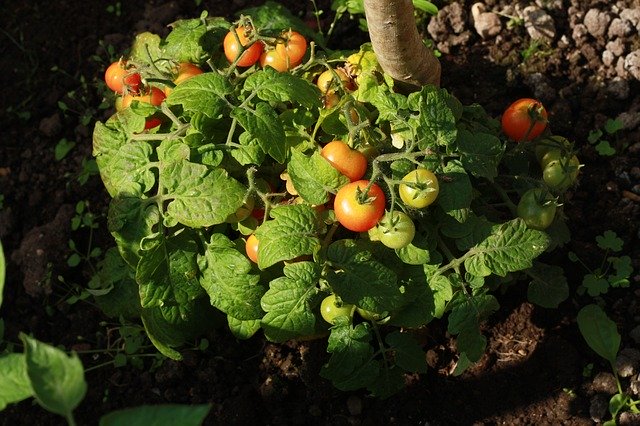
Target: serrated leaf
408	353
455	191
158	415
600	333
470	312
549	286
480	153
202	94
114	275
274	16
183	43
292	232
437	124
512	247
15	384
228	280
287	303
264	125
358	278
351	365
131	219
390	381
199	196
57	380
313	177
243	329
273	86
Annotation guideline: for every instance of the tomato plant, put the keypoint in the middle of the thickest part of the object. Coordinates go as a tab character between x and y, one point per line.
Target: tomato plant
330	310
419	188
350	162
271	58
154	96
537	207
329	81
120	79
292	48
524	120
396	230
238	46
359	205
560	172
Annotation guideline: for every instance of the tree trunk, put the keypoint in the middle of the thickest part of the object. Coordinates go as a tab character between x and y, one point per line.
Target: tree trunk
398	45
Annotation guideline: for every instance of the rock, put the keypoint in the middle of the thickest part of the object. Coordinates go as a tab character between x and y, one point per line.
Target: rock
628	418
620	28
632	64
50	126
599	407
538	23
579	33
487	24
616	47
628	362
597	22
541	87
605	383
618	88
631	15
608	58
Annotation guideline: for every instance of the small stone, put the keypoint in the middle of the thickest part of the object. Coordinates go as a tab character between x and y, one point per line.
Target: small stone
487	24
605	383
628	362
50	126
628	418
616	47
631	15
538	23
599	407
579	33
597	22
620	28
632	64
608	58
618	88
631	120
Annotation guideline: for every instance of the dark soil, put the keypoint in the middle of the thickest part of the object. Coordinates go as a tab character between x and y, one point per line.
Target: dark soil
534	368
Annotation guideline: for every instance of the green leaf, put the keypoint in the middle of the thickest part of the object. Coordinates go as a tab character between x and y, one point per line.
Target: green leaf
351	365
276	17
408	353
512	247
604	148
183	43
624	268
228	280
204	94
158	415
612	126
600	333
273	86
293	232
199	196
126	170
264	125
358	278
314	177
595	285
57	379
243	329
390	381
15	385
549	286
609	240
116	278
480	153
288	302
63	147
455	191
130	220
436	121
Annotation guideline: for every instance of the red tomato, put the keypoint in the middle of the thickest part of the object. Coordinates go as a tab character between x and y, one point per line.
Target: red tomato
355	215
232	48
349	162
120	79
524	120
154	97
186	70
251	248
293	48
152	122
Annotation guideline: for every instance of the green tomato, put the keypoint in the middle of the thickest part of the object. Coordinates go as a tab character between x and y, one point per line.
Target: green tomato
537	208
419	188
396	230
330	311
561	173
551	143
368	315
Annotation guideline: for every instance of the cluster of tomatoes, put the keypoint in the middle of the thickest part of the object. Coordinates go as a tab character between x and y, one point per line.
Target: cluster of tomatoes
525	120
244	47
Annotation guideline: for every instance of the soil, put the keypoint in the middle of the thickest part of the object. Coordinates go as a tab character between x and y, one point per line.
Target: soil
537	369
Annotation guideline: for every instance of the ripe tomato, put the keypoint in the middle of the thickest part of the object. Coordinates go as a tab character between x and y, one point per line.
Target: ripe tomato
330	311
185	71
537	208
396	230
357	216
152	122
350	162
232	49
119	79
271	58
420	190
251	248
293	48
154	96
332	80
560	173
524	120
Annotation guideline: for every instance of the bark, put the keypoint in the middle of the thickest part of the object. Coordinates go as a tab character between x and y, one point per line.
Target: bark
398	45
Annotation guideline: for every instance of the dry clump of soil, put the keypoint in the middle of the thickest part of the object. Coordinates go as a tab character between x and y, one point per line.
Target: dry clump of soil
579	57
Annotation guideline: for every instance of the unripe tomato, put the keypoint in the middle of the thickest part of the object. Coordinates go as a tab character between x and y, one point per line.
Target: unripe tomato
330	311
355	215
349	162
559	174
419	189
119	79
396	230
154	96
232	48
251	248
537	208
328	81
524	120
